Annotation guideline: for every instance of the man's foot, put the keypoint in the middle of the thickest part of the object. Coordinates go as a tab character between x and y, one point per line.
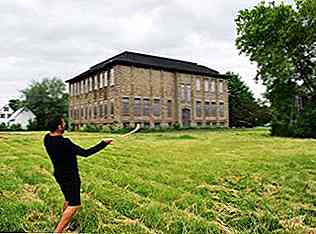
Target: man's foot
73	227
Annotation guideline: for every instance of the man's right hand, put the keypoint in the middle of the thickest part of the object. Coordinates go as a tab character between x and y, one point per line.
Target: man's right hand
108	141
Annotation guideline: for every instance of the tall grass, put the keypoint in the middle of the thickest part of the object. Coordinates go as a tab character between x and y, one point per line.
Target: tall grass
177	182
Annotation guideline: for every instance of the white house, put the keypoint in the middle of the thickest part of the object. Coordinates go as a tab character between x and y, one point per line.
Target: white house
5	113
22	116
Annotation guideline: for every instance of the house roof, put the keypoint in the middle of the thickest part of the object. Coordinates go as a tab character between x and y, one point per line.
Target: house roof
19	112
149	61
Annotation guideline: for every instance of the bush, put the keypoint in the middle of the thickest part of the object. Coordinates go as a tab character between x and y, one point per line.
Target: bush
295	124
12	127
91	128
32	125
15	127
3	127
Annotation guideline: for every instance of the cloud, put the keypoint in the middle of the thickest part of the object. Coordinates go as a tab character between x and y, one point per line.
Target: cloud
63	38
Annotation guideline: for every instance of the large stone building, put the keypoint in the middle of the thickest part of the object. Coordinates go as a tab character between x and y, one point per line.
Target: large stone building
132	88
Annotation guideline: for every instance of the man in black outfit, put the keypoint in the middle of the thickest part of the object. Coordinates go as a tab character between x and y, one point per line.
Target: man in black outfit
62	152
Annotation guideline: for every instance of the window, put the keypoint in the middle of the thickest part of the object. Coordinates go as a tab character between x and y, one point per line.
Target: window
137	106
183	92
213	87
82	87
206	85
221	109
198	85
105	77
221	87
146	110
79	88
5	109
169	108
198	109
87	85
101	80
112	77
73	89
213	109
100	110
81	112
2	116
125	105
90	112
189	93
146	125
86	113
207	108
156	107
112	108
72	113
105	109
95	112
95	81
90	83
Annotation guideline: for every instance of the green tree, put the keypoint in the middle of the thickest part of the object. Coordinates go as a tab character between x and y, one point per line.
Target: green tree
281	40
45	98
244	110
16	104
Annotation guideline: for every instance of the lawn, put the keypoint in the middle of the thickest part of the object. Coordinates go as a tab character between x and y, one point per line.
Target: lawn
225	181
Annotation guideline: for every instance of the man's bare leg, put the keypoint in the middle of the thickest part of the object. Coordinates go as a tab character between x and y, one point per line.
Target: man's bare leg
65	219
65	206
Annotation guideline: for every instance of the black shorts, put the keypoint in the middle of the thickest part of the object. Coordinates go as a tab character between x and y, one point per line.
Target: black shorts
71	191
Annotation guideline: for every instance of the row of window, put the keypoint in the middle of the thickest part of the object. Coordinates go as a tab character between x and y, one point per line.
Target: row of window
158	124
210	109
186	88
142	107
209	85
95	82
4	116
92	112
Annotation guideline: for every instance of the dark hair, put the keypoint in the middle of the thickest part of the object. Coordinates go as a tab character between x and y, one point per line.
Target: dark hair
53	122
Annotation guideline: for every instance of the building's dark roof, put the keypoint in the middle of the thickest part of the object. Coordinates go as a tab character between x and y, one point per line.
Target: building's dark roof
149	61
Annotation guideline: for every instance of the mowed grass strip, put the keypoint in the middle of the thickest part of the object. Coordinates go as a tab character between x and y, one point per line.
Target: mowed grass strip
229	181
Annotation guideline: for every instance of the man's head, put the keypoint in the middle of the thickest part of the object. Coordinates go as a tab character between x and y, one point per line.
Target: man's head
56	124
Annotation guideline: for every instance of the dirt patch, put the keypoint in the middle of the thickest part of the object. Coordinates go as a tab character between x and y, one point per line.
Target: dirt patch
218	188
295	224
270	190
30	193
224	229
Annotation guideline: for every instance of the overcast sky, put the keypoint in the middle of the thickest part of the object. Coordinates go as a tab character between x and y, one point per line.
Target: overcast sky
63	38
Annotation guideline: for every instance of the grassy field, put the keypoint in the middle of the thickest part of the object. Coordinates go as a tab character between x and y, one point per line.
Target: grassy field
240	181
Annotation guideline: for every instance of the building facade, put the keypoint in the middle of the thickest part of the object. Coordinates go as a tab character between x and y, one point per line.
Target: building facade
133	88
